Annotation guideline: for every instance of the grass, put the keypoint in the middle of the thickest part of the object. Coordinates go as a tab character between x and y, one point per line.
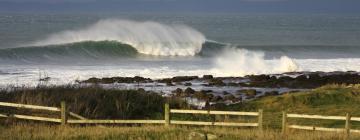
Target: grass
92	102
327	100
153	132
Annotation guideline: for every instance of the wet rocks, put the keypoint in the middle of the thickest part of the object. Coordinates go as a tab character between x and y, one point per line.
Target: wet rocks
169	83
229	97
187	84
216	99
248	91
271	93
189	91
202	96
207	77
216	82
307	80
106	80
178	79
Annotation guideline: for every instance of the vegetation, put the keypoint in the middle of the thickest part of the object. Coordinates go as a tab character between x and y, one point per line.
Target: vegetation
327	100
92	102
95	102
151	132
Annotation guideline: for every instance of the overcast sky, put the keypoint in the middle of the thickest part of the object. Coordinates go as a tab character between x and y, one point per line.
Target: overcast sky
213	6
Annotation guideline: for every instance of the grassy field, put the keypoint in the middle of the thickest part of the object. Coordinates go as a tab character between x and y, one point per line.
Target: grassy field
327	100
151	132
336	100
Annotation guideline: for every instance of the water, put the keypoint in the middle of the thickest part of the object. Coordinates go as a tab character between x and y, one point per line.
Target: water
162	45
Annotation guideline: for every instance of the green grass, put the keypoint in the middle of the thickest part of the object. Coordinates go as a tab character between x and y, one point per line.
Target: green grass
327	100
334	100
153	132
91	102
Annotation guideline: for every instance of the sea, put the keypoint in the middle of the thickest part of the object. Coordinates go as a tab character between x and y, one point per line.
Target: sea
64	48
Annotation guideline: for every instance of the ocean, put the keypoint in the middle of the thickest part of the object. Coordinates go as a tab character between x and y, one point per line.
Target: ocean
69	47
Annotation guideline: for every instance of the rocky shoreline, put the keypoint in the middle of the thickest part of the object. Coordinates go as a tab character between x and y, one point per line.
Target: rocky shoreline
229	89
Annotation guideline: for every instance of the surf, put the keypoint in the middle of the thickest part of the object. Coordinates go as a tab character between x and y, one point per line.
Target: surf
150	38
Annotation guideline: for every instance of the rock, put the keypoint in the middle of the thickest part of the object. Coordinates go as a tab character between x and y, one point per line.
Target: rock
229	97
189	91
177	91
271	93
187	84
206	91
201	136
184	78
248	92
197	136
111	80
207	77
141	90
232	84
201	95
216	99
169	83
211	137
45	79
216	82
239	99
226	93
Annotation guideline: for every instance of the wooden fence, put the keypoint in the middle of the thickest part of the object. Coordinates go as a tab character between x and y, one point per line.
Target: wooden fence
169	111
347	123
44	108
64	116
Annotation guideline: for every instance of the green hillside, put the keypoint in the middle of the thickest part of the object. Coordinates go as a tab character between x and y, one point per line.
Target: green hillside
334	100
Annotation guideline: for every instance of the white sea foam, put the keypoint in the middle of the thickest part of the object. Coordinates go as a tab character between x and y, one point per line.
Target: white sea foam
240	62
29	75
150	38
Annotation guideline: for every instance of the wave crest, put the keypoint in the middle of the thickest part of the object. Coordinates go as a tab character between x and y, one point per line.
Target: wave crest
149	38
241	62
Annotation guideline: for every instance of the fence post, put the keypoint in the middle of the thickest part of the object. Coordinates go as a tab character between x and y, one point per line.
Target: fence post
284	123
63	113
167	114
348	125
260	119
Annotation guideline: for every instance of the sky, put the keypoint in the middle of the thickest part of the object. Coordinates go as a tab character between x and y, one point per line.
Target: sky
202	6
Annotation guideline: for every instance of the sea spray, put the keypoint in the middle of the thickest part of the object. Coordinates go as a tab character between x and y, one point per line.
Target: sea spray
149	38
241	62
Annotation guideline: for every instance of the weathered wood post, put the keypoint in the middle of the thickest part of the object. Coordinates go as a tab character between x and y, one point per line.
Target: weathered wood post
347	125
63	113
284	123
260	119
167	114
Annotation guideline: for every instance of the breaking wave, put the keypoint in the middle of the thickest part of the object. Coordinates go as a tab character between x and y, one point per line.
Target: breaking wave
149	38
235	62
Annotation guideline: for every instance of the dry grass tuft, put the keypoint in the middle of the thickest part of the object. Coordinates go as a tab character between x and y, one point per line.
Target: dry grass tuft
155	132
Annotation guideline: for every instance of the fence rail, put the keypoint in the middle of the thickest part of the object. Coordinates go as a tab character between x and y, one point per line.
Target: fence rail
215	123
64	114
29	106
316	117
116	121
27	117
347	125
214	112
168	120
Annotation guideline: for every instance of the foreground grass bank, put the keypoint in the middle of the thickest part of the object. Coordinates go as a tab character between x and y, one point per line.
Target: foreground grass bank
327	100
150	132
